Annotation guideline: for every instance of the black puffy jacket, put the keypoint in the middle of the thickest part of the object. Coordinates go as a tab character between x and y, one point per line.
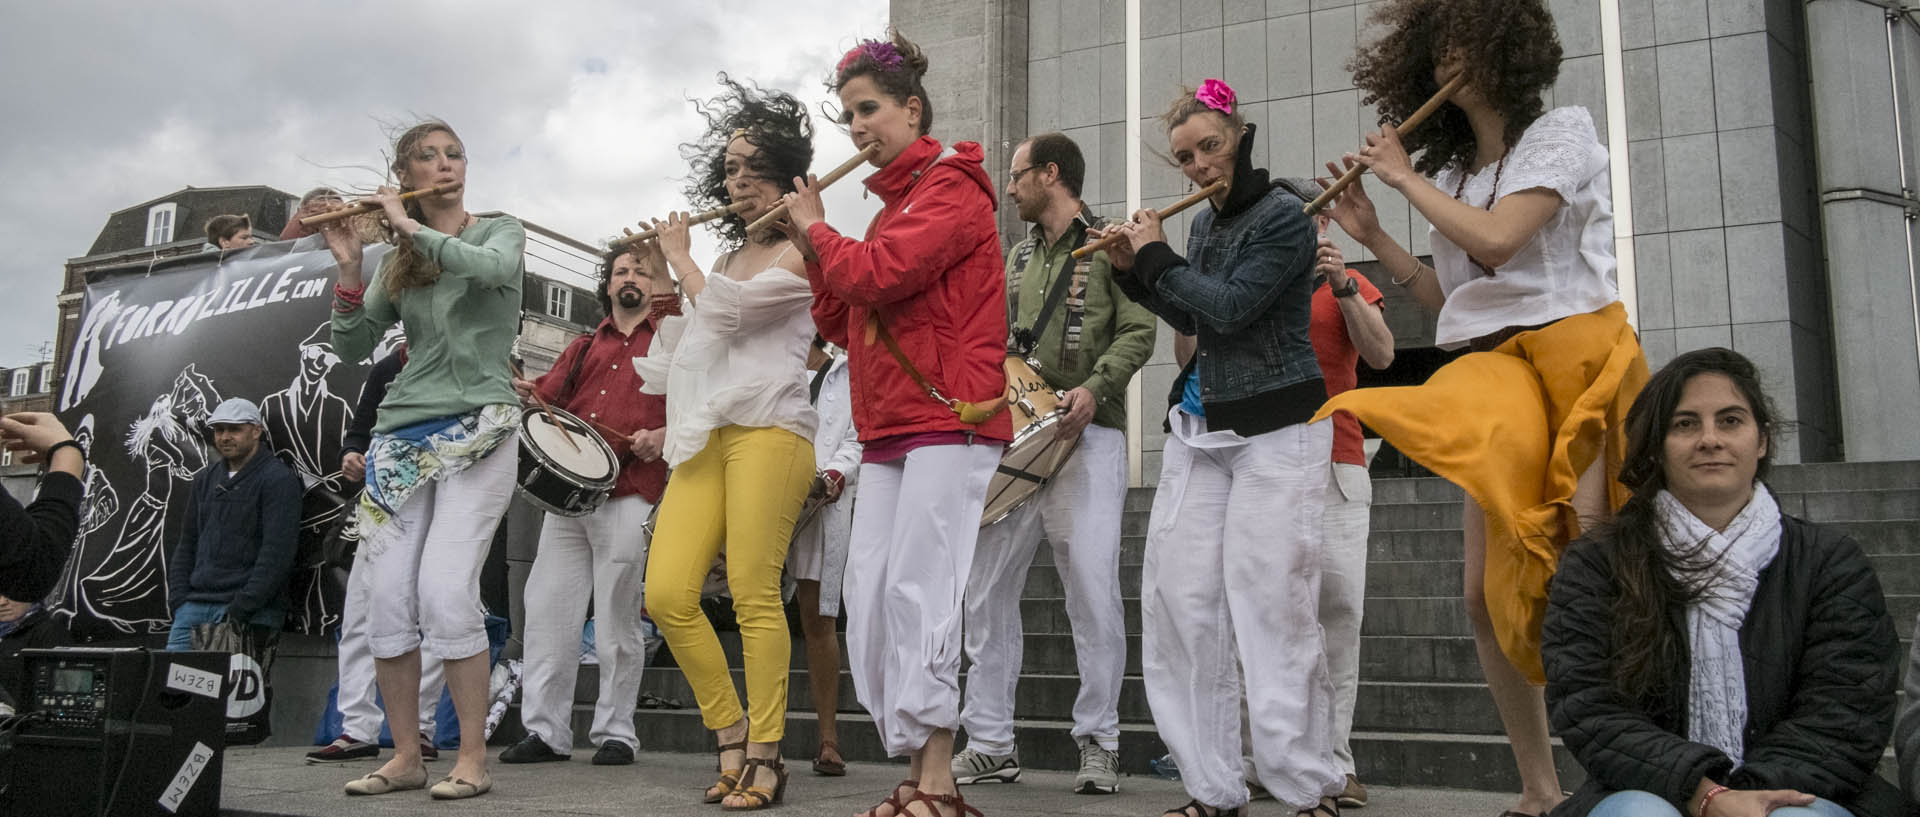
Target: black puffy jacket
1821	666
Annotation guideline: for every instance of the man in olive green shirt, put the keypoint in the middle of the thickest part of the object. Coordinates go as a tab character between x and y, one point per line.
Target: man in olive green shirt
1089	345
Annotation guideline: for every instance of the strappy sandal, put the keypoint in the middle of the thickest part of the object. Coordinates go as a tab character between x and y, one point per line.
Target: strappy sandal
830	768
935	801
760	795
1328	806
1195	808
893	799
729	778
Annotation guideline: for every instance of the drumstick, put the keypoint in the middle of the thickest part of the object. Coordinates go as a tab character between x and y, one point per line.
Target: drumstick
1320	202
1198	196
698	218
367	205
545	409
780	211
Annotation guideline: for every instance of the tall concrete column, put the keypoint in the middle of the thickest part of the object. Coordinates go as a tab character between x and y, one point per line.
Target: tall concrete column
978	76
1863	61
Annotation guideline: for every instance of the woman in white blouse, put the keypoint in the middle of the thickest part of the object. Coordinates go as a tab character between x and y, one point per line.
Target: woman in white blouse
1523	274
739	431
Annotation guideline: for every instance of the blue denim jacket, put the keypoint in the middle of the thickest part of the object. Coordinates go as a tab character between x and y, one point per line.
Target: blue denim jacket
1246	289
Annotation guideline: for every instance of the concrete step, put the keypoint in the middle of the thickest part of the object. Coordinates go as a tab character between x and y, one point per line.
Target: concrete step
1899	575
1843	476
1383	758
1049	617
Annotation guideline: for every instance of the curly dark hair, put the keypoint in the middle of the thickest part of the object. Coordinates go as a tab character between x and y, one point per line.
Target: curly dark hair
1510	51
772	121
896	66
1651	581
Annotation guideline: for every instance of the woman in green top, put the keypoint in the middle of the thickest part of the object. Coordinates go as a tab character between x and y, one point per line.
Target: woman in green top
438	474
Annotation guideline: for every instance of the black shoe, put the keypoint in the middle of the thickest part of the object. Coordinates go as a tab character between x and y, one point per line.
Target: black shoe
613	753
531	749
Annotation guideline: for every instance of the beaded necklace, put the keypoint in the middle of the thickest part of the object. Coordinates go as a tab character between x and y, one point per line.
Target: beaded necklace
1492	196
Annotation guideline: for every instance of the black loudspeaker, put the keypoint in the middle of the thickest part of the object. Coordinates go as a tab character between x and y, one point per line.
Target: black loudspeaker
119	733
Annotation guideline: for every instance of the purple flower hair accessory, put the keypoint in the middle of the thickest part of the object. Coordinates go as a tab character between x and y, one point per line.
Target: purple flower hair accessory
1216	95
883	54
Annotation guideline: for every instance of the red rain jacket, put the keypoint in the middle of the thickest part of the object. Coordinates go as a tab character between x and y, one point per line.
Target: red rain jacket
931	269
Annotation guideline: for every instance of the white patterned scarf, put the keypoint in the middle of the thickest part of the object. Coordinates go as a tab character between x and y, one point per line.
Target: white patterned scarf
1733	559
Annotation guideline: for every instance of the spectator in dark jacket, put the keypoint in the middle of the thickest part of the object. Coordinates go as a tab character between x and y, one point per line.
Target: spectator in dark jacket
1706	654
1906	733
236	549
35	540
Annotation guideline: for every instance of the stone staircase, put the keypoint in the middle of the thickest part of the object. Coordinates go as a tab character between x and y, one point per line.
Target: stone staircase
1423	717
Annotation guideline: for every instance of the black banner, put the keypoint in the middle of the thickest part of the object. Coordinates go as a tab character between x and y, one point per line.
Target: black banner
159	346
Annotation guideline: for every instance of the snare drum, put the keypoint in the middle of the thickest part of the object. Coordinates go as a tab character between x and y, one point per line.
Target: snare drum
565	469
1036	454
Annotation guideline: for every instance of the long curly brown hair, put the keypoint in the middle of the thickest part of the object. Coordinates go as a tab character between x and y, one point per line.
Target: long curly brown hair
1509	50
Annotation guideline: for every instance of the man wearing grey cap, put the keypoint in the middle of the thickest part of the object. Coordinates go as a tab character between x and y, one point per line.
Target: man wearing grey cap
236	547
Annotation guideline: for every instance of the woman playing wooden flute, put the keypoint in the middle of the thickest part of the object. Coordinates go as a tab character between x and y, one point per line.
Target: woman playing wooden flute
929	278
438	473
1530	425
1233	544
739	431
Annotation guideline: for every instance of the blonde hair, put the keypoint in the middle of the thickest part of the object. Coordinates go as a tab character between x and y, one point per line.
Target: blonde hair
406	268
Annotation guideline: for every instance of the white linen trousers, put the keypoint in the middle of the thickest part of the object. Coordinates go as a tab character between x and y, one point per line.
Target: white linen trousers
1079	511
1230	591
606	551
426	561
360	712
914	531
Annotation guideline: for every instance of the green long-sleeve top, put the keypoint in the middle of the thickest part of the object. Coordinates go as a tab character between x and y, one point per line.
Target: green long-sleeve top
1097	337
460	329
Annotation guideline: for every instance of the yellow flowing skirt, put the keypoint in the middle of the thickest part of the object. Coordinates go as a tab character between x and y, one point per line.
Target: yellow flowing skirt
1514	428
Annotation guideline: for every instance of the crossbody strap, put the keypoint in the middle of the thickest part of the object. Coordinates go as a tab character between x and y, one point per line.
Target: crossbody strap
1025	339
970	413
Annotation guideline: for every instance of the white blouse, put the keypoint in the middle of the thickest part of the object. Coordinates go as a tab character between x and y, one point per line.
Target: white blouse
737	357
1568	266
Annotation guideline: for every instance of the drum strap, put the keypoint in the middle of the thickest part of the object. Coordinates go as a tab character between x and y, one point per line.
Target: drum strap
1024	339
573	372
971	413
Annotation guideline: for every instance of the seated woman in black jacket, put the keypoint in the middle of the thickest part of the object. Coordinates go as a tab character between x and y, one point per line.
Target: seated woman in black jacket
1707	655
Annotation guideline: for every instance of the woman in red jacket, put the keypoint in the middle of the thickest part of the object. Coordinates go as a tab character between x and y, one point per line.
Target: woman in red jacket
920	305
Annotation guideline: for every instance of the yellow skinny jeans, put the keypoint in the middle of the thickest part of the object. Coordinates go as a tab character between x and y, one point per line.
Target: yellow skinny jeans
743	491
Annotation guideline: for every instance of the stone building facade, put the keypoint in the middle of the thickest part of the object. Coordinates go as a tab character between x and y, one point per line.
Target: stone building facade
1765	203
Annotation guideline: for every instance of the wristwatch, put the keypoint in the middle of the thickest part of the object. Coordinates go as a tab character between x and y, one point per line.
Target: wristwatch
1352	288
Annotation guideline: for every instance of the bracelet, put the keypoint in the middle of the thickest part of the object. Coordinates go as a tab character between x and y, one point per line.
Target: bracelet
74	444
1716	791
1419	269
348	300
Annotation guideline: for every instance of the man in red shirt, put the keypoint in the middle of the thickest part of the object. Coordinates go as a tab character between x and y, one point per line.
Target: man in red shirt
1349	324
594	379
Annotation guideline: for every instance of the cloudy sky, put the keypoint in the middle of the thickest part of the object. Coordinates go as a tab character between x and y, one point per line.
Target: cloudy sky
571	111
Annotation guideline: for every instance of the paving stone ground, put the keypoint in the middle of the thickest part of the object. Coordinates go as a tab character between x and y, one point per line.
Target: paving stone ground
275	781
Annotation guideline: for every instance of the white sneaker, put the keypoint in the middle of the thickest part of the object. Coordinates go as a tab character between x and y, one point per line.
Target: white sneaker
1099	770
974	766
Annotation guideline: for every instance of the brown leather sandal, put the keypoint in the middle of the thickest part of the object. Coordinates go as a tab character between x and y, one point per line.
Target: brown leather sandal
1195	808
935	801
729	778
893	799
1328	806
830	768
760	795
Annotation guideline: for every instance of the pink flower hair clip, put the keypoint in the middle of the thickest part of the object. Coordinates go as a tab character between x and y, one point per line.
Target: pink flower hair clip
882	53
1216	95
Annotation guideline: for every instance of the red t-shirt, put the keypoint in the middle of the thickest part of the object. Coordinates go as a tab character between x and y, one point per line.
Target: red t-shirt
1338	357
608	393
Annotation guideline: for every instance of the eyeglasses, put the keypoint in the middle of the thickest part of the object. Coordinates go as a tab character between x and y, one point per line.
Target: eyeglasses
1015	175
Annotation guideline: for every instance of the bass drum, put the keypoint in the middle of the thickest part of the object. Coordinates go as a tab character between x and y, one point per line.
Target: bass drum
565	467
1036	454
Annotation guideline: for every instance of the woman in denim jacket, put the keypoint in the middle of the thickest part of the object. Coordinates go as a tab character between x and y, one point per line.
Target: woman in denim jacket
1242	479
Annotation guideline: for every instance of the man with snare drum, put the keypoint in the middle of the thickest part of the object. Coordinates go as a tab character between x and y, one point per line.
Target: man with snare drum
1087	339
594	380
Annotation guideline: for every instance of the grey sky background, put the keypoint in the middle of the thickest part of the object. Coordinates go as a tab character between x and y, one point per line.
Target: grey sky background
572	112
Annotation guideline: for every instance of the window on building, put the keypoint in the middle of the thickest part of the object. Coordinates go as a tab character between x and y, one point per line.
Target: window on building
46	377
160	223
6	456
559	301
22	380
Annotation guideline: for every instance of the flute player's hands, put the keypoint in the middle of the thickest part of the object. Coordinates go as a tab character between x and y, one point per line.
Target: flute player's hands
1387	158
1352	209
804	208
344	242
674	236
1119	253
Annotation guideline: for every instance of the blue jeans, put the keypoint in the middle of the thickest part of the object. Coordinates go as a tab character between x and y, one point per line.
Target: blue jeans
192	613
1645	804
